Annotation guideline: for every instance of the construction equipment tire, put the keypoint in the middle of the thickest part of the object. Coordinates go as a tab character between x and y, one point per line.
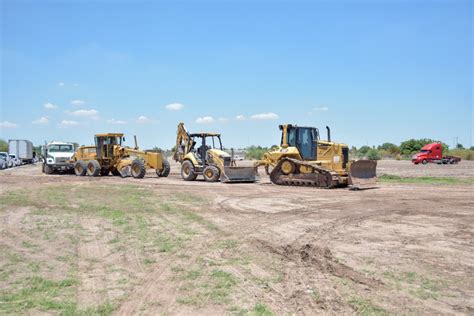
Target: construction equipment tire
47	169
138	169
93	168
211	174
187	171
80	168
165	171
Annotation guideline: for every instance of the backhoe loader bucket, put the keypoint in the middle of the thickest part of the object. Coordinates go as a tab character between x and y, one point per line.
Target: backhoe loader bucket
239	174
362	174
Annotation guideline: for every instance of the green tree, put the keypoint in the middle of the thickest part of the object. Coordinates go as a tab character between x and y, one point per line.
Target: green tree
3	145
362	151
412	146
389	147
373	154
459	146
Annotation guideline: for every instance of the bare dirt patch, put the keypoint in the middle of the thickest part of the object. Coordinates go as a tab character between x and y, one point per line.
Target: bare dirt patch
162	245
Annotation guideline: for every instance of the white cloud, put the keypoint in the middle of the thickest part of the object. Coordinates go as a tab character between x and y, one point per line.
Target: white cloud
6	124
117	122
222	119
240	117
50	106
61	84
66	123
265	116
93	114
77	102
321	108
174	106
41	121
205	120
143	119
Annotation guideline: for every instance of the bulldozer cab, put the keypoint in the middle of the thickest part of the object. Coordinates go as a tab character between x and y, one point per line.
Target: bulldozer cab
105	144
303	138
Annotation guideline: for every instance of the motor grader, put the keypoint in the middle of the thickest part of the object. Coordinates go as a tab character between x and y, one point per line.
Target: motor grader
202	154
110	156
303	159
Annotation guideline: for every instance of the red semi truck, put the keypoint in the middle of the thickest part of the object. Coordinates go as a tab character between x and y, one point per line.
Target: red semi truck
433	153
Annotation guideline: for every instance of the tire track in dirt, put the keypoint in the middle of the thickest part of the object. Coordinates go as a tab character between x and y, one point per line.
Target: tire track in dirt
91	251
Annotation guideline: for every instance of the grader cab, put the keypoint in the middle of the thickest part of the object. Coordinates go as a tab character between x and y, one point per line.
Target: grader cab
110	156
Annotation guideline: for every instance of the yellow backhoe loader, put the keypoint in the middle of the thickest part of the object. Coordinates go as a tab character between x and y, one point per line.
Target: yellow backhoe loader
303	159
108	155
202	154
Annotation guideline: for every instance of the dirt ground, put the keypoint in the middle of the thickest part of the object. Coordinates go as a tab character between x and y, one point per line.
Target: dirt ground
165	246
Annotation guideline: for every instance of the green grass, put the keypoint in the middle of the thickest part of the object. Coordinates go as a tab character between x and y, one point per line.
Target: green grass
366	307
261	310
386	178
140	219
417	285
42	294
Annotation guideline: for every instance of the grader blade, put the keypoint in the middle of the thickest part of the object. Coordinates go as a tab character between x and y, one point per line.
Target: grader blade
363	175
239	174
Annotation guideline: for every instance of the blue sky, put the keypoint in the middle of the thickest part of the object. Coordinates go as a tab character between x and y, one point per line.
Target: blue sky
374	71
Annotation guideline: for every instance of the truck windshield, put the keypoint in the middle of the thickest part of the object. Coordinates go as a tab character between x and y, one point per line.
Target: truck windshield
424	151
60	148
3	155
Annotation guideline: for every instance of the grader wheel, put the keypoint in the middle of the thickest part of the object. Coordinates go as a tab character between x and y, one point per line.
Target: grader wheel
93	168
165	171
138	169
80	168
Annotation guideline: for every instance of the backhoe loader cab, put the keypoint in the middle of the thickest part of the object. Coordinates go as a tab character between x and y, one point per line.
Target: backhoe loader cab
304	159
203	154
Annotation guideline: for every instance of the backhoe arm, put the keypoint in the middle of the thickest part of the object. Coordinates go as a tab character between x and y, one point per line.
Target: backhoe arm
182	138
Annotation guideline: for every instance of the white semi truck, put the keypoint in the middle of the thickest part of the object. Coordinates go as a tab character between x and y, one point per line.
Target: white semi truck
22	149
56	157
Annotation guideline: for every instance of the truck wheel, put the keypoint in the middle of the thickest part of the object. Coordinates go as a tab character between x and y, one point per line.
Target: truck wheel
80	168
211	174
424	161
48	169
187	171
165	171
138	169
93	168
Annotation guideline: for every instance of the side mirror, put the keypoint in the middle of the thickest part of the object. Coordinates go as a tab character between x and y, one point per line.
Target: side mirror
123	138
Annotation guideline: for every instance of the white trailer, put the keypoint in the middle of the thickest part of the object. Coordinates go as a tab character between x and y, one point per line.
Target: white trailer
22	149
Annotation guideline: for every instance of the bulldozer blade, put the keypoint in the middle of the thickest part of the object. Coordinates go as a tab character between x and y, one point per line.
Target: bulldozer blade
363	175
239	174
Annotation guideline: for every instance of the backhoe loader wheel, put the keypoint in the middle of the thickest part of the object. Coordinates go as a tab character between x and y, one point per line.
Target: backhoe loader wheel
211	174
187	171
93	168
80	168
138	169
165	171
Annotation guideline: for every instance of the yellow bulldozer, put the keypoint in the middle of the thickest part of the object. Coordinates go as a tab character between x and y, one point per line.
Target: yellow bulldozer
202	154
303	159
110	156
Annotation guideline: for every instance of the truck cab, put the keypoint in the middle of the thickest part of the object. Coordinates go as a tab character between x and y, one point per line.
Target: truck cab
57	156
428	153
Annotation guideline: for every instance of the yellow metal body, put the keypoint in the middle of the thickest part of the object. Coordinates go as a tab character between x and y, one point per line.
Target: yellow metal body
115	156
329	156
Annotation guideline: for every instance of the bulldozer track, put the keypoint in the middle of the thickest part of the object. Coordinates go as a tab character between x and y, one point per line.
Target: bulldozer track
319	177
